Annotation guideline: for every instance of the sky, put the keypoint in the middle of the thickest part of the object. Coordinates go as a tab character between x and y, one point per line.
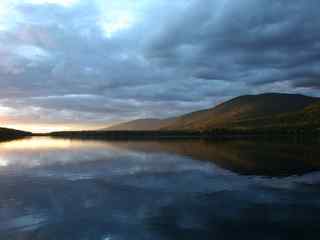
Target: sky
85	64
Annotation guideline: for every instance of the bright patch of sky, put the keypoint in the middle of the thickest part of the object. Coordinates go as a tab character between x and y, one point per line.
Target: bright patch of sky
65	3
32	53
117	16
6	13
9	15
116	23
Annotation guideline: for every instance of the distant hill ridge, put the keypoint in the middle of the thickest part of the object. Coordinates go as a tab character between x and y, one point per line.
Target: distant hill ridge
7	133
268	109
147	124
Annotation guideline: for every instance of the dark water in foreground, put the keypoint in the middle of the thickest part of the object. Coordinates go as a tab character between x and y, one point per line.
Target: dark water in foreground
65	190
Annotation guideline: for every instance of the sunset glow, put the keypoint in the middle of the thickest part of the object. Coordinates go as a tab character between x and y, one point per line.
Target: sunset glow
46	128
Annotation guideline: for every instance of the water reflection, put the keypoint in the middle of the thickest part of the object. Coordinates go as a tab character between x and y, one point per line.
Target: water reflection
244	157
48	143
69	189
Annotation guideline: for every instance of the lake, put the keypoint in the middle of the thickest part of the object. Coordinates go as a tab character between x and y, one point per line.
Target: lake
188	189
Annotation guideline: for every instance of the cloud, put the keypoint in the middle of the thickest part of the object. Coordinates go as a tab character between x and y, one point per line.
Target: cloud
65	3
82	60
250	41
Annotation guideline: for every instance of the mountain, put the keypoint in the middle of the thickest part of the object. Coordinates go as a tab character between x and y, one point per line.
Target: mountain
249	111
7	133
150	124
243	109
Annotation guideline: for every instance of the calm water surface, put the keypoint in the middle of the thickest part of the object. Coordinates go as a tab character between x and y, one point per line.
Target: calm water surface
88	190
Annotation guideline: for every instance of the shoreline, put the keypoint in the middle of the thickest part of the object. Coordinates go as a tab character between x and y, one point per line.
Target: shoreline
172	135
215	134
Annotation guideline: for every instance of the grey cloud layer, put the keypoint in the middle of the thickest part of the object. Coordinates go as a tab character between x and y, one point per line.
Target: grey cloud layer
252	41
186	54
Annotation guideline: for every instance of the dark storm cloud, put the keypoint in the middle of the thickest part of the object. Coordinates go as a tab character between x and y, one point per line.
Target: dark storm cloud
252	41
114	60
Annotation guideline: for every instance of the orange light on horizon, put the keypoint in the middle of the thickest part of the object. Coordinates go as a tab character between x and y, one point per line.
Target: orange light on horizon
46	128
37	128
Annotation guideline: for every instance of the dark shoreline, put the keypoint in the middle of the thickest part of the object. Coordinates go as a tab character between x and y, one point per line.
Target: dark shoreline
215	134
167	135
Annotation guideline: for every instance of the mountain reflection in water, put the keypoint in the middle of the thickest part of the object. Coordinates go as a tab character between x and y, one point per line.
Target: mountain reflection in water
70	189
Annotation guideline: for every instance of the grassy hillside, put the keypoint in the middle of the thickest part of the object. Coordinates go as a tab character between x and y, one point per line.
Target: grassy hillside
140	124
248	111
308	117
